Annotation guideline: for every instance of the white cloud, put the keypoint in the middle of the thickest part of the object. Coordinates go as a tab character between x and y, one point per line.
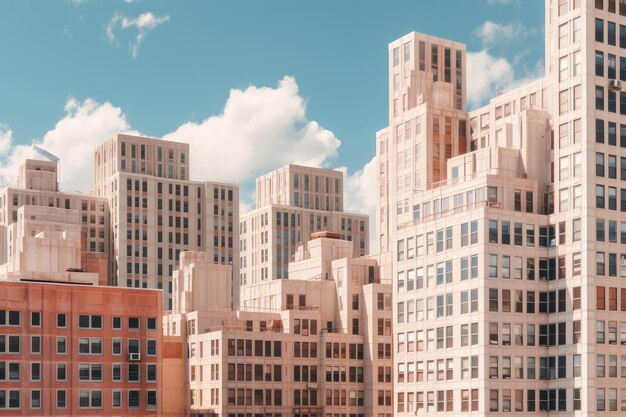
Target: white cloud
6	138
486	76
360	194
144	24
260	129
77	2
73	139
495	33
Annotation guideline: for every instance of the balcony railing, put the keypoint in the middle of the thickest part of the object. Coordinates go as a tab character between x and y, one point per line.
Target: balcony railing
502	172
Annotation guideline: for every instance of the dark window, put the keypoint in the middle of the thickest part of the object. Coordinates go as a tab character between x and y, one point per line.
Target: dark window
599	30
599	131
599	64
599	97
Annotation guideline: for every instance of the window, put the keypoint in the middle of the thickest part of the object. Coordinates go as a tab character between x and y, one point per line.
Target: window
133	323
90	372
35	319
61	399
611	33
35	371
116	399
151	324
599	30
61	372
117	323
9	318
151	347
563	35
35	344
151	373
493	266
599	97
116	372
90	399
564	168
89	321
493	300
599	196
564	68
563	101
599	64
61	345
151	399
493	231
90	346
9	344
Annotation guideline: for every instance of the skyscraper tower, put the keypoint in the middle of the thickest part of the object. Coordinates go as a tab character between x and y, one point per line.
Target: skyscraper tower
507	291
158	212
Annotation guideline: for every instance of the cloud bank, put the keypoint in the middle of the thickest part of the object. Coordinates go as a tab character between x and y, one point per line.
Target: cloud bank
259	129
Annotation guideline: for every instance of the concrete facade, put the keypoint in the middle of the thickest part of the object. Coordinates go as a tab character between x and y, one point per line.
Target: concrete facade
38	189
157	212
292	202
507	297
319	346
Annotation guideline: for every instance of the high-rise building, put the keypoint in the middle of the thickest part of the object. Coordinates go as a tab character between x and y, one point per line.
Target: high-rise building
320	347
507	264
157	212
292	202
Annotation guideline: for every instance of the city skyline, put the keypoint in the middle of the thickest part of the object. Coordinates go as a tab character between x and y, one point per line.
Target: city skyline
87	99
493	282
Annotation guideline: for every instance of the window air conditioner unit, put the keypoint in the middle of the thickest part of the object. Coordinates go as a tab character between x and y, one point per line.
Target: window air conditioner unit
305	332
615	84
134	356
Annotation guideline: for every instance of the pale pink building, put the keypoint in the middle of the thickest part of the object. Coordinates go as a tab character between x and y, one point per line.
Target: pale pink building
507	258
292	202
157	212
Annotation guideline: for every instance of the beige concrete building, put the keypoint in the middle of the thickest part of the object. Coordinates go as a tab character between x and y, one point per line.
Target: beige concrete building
35	215
69	346
157	212
506	269
292	202
319	346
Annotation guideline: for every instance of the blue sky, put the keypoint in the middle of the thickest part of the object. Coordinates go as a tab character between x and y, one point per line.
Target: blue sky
64	80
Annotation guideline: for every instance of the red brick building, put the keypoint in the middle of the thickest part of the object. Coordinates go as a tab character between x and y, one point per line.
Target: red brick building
71	350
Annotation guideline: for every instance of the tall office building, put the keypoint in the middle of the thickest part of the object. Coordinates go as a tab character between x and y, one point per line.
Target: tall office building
292	202
507	257
158	212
